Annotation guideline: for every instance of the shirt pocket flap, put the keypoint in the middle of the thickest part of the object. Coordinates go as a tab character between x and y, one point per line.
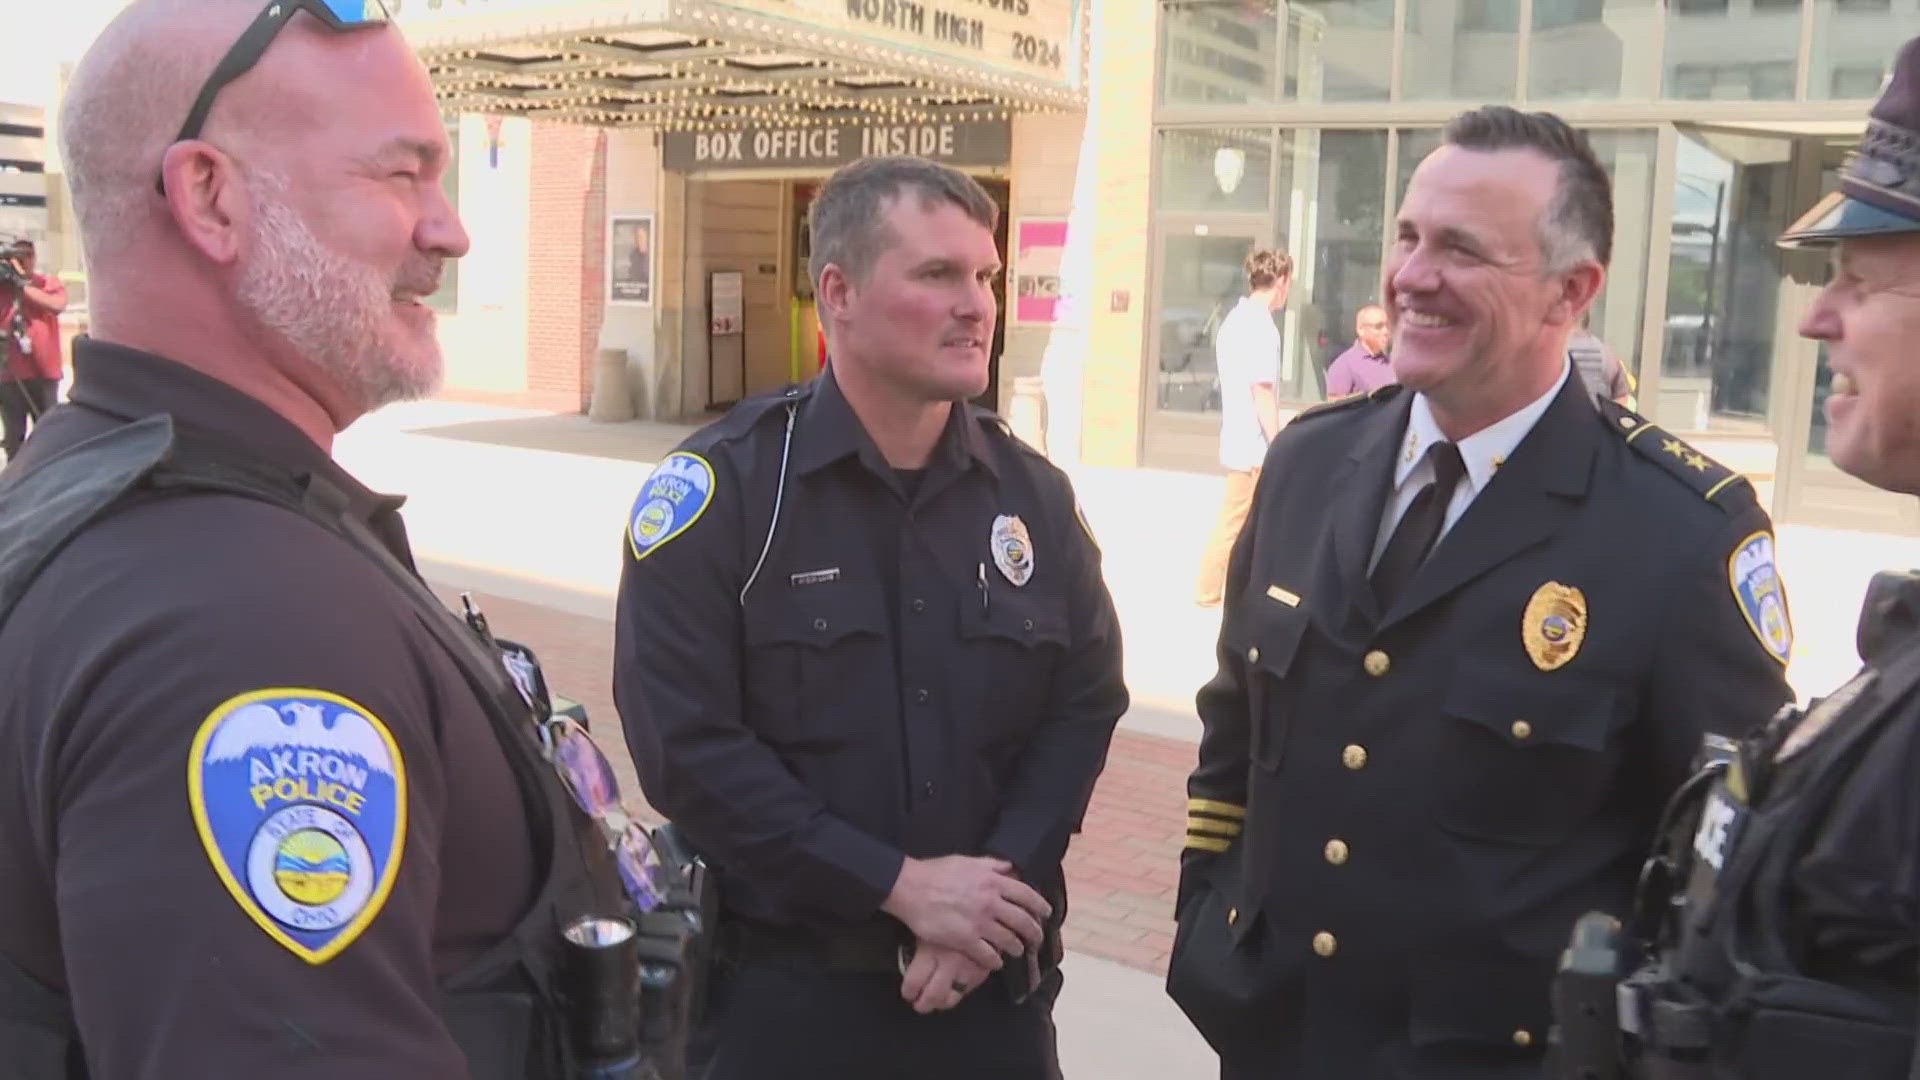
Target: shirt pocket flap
815	615
1022	618
1535	709
1268	635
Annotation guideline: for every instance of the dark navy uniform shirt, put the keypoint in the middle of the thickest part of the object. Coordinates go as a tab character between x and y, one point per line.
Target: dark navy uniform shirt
121	650
886	688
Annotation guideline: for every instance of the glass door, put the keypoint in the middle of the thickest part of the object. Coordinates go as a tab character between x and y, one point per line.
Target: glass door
1202	276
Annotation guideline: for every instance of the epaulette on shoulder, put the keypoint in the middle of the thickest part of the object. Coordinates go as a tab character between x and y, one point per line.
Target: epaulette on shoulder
1709	479
744	417
999	425
1351	401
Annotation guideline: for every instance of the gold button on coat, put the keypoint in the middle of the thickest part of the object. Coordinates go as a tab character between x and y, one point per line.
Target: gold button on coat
1377	663
1253	654
1523	1038
1233	915
1354	757
1324	943
1522	730
1337	852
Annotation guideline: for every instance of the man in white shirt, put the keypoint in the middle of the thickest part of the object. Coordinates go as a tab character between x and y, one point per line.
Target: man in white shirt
1246	351
1473	633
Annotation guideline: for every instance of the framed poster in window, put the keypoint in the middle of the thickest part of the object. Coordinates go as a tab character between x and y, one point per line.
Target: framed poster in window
1039	244
630	259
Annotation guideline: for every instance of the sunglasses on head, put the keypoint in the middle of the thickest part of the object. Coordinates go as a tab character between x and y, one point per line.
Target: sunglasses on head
339	16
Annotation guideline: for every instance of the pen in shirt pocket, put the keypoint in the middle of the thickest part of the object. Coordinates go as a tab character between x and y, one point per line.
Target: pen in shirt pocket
982	579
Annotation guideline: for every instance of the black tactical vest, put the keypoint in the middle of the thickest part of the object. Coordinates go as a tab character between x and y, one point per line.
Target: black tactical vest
1728	997
503	1009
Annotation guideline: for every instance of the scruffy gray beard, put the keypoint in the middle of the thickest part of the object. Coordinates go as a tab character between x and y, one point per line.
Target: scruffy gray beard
332	312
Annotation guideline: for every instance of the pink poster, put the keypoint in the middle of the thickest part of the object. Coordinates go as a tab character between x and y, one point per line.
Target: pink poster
1039	244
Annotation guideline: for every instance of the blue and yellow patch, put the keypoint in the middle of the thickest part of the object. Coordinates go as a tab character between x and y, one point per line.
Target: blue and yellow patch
300	798
672	499
1762	598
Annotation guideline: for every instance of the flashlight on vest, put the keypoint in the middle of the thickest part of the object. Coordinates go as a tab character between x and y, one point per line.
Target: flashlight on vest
1585	1041
600	990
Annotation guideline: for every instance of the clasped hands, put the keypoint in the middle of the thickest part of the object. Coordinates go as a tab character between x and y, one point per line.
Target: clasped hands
968	914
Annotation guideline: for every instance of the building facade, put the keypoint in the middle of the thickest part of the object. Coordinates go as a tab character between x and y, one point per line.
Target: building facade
23	173
1299	123
635	175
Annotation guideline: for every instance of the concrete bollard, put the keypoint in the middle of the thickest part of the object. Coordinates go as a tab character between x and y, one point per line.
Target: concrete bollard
612	401
1027	411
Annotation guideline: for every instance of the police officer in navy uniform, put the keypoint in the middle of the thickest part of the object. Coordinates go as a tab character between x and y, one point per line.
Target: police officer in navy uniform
1474	629
867	663
1797	949
260	813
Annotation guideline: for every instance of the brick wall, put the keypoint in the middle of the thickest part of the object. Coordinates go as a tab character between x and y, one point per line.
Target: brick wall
567	256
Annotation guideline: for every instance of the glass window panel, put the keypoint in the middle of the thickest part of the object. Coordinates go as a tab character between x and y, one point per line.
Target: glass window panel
1216	170
1618	313
1218	51
1730	201
1338	50
1854	42
1586	50
1461	50
1717	52
1337	215
1202	276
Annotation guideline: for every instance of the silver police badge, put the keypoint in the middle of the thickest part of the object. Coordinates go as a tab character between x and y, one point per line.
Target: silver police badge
1012	548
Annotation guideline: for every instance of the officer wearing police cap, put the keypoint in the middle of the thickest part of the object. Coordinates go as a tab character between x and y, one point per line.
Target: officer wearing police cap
1797	946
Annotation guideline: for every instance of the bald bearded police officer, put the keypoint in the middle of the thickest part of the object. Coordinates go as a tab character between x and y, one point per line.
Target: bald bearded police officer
866	661
266	808
1473	631
1796	952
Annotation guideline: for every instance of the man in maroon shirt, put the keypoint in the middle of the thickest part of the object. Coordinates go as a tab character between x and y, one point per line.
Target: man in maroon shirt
30	316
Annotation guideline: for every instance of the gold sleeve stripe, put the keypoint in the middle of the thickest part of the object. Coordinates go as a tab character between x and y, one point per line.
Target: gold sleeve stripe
1216	828
1218	809
1208	843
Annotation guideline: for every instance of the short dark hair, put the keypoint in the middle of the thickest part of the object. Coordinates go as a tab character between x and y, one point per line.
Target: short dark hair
1265	267
845	218
1581	214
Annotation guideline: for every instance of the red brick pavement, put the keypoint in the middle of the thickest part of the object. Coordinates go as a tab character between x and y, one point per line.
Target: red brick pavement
1121	871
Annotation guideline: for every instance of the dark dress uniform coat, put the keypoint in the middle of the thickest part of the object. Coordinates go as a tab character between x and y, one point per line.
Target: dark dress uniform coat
1398	813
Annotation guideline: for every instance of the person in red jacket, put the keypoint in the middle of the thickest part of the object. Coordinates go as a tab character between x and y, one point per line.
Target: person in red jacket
30	317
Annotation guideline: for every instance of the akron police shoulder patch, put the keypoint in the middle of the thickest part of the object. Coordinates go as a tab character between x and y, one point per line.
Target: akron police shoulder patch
300	798
671	500
1762	598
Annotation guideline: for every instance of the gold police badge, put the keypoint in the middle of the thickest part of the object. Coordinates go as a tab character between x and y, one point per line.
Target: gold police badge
1012	548
1554	625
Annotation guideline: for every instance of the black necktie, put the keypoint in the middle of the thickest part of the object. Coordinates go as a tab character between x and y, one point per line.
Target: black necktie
1419	527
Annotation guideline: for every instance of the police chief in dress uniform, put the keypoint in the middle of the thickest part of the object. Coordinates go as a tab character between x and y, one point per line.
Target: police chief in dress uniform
259	814
1474	629
867	663
1797	951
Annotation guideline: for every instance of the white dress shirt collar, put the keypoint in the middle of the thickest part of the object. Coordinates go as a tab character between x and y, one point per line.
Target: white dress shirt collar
1483	452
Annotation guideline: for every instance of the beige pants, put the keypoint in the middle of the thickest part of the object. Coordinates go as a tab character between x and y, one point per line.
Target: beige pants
1233	514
